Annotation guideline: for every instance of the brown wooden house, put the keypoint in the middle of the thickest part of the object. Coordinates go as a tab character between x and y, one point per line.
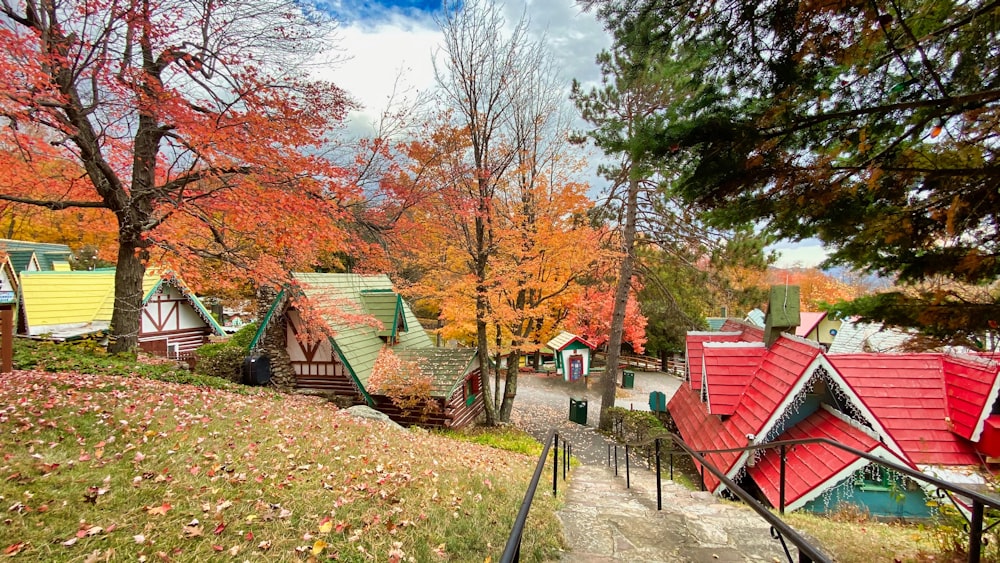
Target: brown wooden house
353	317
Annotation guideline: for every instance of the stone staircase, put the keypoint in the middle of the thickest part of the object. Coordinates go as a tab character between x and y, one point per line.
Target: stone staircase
603	521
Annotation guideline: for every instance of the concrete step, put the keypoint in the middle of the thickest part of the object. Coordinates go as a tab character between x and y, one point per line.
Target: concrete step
604	521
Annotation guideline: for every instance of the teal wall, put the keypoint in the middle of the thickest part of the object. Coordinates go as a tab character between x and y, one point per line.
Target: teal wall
897	502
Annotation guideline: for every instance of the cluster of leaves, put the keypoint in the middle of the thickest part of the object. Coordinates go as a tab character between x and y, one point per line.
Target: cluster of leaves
225	359
404	383
103	467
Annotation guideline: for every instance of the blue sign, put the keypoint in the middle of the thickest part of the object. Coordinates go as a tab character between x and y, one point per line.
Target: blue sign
7	297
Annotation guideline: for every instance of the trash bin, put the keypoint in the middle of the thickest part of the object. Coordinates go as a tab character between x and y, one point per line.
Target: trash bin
628	379
578	411
256	370
657	401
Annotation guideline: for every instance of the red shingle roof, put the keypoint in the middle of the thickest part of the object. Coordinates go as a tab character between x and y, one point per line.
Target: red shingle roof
728	370
748	332
808	466
971	387
906	393
703	431
783	365
693	354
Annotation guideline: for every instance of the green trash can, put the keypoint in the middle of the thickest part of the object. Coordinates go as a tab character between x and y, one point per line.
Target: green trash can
578	411
628	379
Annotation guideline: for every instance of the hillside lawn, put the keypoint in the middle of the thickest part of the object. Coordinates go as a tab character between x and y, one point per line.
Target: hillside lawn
127	468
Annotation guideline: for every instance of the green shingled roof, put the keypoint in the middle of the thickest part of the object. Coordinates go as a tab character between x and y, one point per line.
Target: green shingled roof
46	253
20	259
356	341
447	366
386	306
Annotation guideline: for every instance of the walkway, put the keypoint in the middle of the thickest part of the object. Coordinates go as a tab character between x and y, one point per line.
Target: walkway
604	521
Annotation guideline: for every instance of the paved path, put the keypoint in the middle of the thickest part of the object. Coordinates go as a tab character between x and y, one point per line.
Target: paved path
603	521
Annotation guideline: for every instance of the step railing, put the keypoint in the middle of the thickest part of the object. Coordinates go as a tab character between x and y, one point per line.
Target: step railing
512	551
970	501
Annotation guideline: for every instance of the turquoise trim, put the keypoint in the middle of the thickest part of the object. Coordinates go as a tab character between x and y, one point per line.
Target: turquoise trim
354	376
267	319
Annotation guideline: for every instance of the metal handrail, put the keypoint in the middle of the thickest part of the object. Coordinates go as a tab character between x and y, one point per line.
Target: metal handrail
512	551
978	500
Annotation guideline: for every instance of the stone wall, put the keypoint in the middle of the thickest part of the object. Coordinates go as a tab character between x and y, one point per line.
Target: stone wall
272	343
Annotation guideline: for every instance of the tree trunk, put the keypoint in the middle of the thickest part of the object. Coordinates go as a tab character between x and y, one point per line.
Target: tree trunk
127	314
610	380
484	358
510	387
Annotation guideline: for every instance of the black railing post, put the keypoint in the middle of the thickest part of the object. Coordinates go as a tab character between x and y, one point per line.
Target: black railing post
659	490
702	476
671	459
616	460
781	491
555	466
976	532
628	484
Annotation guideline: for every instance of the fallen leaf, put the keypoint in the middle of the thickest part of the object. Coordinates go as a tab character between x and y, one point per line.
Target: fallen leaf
69	542
159	510
318	547
218	529
14	549
193	529
325	527
264	545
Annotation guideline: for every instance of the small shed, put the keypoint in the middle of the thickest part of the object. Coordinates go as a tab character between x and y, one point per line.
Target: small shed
572	355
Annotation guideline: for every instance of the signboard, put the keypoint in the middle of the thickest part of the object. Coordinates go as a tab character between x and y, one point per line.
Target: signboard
7	297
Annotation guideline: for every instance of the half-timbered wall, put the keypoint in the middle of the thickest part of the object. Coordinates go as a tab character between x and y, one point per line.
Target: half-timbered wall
170	325
316	365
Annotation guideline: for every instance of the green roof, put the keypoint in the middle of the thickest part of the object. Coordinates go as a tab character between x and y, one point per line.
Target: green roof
446	366
387	307
46	253
20	259
338	299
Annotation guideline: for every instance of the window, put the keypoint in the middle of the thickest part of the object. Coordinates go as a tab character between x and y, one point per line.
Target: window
471	388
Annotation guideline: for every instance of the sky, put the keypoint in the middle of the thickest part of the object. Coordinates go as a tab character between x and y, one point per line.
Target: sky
384	50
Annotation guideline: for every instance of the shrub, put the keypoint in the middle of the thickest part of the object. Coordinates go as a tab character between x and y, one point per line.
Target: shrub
244	336
221	359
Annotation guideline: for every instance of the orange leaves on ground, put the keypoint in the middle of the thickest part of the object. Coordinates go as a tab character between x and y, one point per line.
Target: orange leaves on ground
160	510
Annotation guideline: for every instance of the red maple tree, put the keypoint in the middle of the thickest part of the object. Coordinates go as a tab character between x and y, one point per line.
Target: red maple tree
192	125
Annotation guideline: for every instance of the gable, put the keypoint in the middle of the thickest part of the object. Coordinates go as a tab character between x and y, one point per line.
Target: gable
906	394
565	340
33	256
387	308
447	367
57	298
727	370
171	287
694	343
338	303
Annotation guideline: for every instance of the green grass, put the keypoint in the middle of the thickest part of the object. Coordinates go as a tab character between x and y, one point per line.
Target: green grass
504	438
128	468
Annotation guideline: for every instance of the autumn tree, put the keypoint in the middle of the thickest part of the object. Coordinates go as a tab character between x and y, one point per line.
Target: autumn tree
870	125
817	289
191	123
483	76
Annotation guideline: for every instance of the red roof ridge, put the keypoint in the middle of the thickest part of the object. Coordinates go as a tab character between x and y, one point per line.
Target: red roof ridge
740	344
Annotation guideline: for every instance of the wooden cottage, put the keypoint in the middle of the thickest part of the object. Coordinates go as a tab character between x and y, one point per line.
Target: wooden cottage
572	355
78	304
332	344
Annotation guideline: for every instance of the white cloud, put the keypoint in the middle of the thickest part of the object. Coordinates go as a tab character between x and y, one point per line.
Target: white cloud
391	51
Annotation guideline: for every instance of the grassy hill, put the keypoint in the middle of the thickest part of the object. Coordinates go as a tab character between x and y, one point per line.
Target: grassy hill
119	468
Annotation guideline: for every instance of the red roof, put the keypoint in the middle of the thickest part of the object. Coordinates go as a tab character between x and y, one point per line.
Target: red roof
728	370
693	355
809	466
905	393
749	332
808	322
780	369
971	387
703	431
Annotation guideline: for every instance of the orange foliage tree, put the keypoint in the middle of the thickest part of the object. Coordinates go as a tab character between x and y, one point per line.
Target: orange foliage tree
189	124
404	383
816	289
